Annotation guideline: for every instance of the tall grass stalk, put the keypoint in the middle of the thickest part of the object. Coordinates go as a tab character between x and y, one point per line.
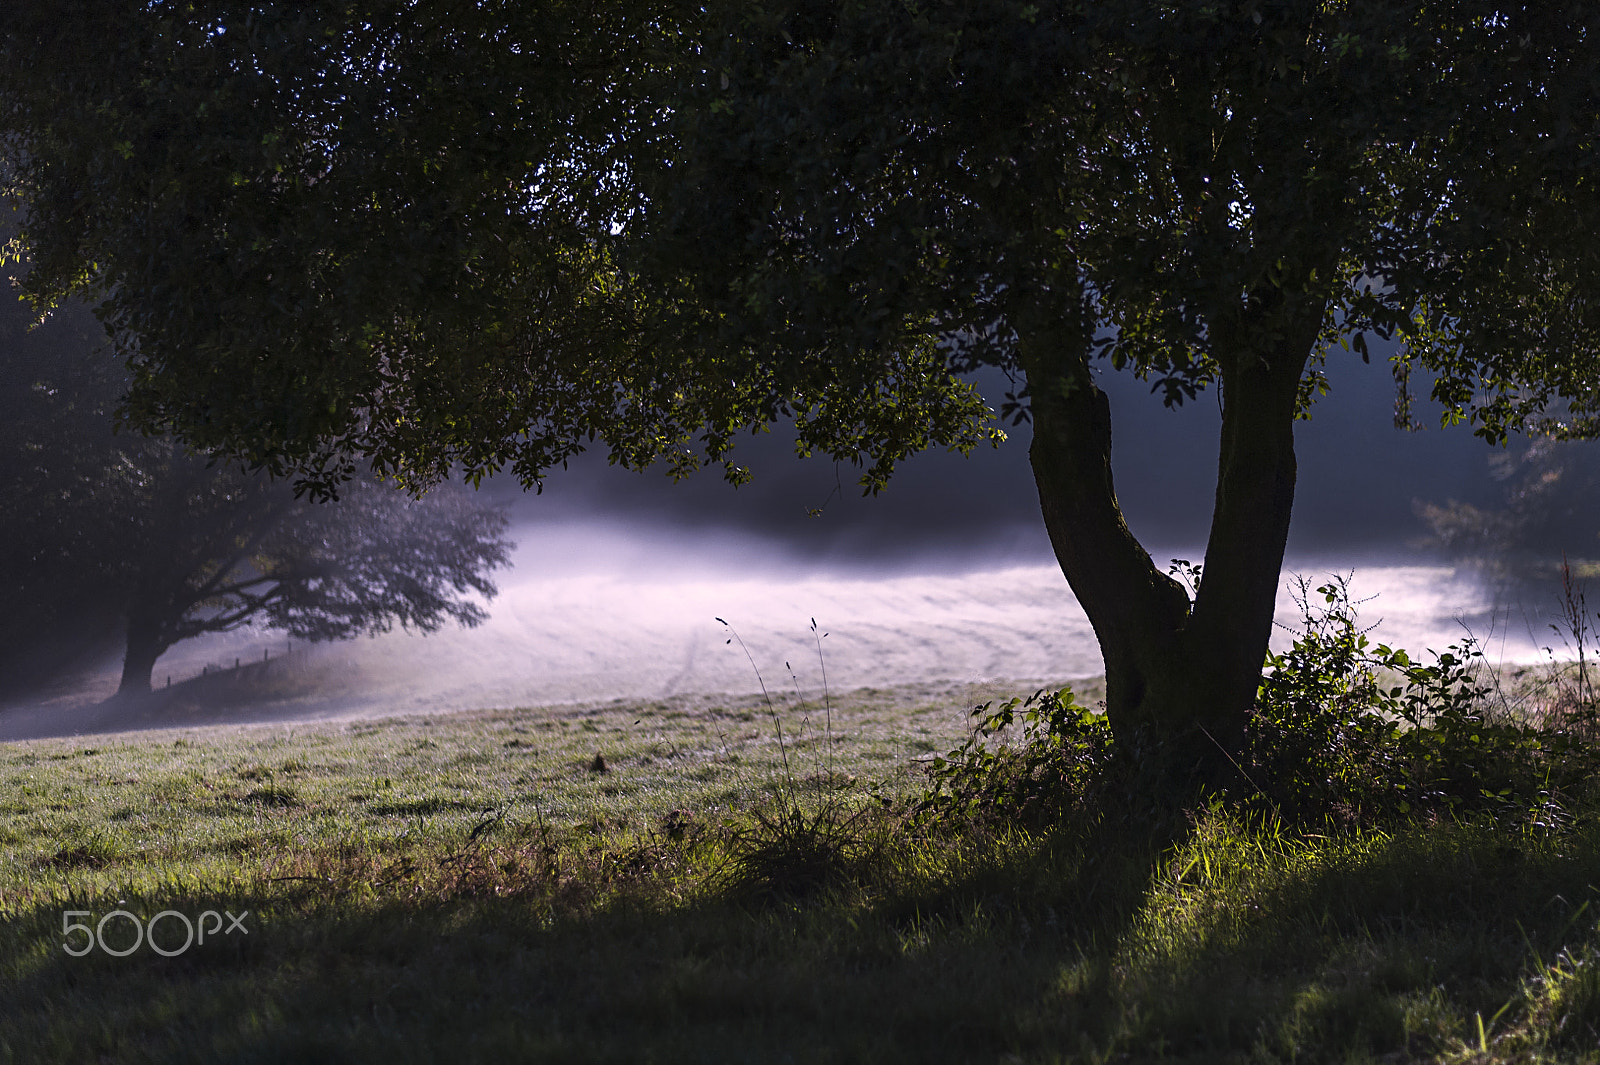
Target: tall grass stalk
1575	631
797	850
827	701
772	710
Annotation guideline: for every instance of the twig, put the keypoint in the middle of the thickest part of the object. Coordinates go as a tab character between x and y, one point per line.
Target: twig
1242	773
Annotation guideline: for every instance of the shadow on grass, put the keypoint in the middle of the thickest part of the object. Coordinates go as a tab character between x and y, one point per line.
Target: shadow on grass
1055	948
1404	947
993	951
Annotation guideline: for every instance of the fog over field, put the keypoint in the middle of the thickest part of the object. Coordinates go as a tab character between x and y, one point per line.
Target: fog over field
590	615
645	631
619	577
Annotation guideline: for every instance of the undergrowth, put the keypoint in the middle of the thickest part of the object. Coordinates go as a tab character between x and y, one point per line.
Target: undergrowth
811	838
1344	731
1365	732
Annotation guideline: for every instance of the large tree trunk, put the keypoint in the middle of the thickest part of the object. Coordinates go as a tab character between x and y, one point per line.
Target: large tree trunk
1180	679
145	645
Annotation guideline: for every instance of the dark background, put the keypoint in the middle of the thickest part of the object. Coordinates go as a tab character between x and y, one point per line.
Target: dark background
1358	479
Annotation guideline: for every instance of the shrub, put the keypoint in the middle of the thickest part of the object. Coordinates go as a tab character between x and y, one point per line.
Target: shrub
1357	730
1064	753
1343	730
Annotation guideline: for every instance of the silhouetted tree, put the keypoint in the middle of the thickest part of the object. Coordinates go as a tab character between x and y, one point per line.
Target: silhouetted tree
1549	512
209	549
100	526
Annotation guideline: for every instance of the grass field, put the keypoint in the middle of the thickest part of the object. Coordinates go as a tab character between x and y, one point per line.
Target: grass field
596	885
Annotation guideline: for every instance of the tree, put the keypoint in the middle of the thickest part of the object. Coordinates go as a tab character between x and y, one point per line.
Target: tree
1551	506
384	233
214	549
101	526
1206	195
664	221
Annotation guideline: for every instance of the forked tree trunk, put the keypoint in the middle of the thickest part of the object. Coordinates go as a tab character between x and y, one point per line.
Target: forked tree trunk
1180	679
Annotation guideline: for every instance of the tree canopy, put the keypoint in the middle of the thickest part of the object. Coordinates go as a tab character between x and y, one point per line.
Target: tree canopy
416	234
383	233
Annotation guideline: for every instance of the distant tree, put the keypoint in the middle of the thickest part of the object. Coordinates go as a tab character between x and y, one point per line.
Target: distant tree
1549	512
100	526
211	549
417	234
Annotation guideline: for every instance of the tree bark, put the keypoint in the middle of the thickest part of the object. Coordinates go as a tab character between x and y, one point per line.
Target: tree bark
1180	678
1138	612
1231	622
144	646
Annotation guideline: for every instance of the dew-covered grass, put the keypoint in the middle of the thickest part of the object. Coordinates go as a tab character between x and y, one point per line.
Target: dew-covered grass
577	885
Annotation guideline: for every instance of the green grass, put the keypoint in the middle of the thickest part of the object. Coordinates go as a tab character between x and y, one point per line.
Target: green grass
470	888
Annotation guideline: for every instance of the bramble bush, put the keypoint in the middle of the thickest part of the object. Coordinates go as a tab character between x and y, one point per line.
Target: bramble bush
1359	731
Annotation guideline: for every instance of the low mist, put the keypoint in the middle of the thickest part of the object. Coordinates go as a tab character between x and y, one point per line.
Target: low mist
592	613
618	577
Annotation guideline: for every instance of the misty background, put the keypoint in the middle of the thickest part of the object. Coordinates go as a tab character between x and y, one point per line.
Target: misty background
1359	478
619	578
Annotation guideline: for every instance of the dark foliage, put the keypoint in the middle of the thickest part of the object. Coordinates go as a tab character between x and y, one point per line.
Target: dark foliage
1357	730
1549	510
1060	766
